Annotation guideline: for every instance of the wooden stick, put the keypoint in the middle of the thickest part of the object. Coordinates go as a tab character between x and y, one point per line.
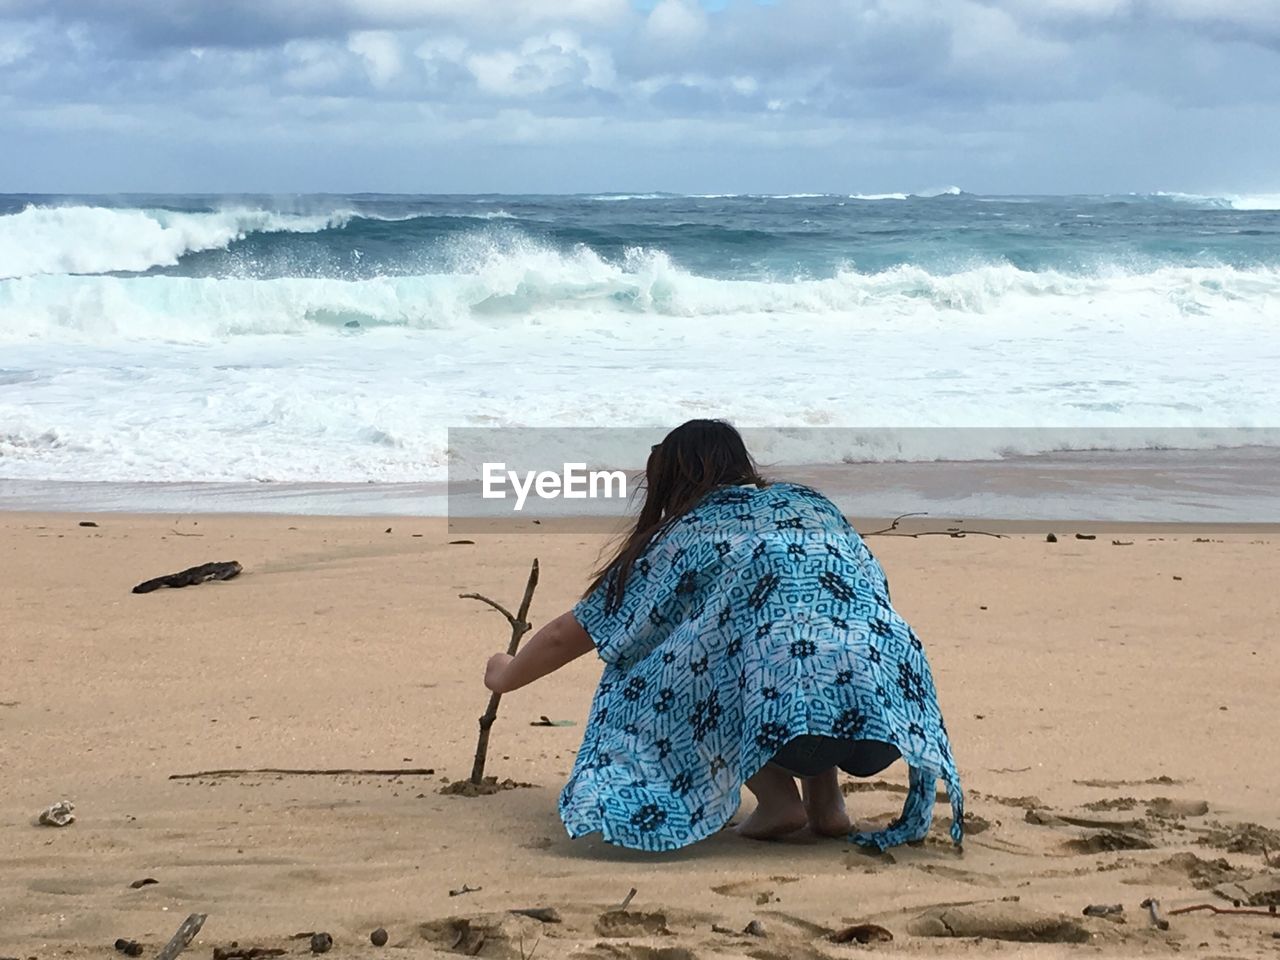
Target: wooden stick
493	603
953	534
519	627
1244	911
407	772
1152	906
182	939
893	526
892	531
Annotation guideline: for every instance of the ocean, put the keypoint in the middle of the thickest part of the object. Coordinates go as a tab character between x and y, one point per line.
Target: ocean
336	339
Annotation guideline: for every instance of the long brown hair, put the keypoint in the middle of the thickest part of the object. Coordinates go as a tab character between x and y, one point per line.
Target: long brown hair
692	460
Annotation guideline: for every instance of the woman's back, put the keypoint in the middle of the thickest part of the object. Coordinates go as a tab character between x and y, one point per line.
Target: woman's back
757	617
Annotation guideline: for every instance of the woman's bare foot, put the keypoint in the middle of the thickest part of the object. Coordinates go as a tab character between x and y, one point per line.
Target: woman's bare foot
824	805
779	809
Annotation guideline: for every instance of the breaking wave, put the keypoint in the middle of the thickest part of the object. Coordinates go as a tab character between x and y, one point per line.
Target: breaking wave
1234	201
502	284
43	240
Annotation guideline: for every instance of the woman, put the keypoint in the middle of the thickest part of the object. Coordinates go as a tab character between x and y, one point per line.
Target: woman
748	638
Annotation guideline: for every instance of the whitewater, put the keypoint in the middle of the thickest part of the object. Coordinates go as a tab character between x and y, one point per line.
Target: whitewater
339	338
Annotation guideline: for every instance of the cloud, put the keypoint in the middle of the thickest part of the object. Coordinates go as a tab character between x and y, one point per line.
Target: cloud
311	65
380	51
261	23
872	87
679	23
555	61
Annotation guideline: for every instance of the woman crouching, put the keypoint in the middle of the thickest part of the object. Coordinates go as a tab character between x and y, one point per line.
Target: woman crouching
748	638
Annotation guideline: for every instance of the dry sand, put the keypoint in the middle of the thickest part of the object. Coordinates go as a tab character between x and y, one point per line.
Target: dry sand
1080	680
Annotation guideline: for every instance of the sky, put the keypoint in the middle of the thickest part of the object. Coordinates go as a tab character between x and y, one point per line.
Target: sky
566	96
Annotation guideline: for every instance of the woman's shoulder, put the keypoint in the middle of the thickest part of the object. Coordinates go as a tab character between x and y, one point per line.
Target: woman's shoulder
777	498
774	488
786	490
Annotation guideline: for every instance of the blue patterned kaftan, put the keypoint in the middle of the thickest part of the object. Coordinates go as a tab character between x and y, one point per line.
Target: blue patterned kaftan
759	616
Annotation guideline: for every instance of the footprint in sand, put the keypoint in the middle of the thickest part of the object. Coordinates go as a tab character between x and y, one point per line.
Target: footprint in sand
1187	868
999	921
1165	807
1162	781
1109	841
970	877
1021	803
1112	803
1242	838
760	891
66	886
501	936
636	951
1102	836
621	924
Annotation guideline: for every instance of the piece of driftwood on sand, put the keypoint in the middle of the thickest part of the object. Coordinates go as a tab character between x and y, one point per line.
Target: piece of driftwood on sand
954	533
285	772
223	570
182	939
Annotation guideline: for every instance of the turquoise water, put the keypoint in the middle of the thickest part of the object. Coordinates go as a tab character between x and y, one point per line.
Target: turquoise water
738	237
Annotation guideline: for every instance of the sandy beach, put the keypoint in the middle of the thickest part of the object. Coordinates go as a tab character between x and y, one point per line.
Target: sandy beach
1112	709
372	305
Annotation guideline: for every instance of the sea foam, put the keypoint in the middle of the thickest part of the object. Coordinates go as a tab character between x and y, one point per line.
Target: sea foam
83	239
345	354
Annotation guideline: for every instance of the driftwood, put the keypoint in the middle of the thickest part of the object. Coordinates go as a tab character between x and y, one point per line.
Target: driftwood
545	721
519	627
541	914
955	534
211	774
182	939
1103	909
1213	908
247	953
1152	906
192	576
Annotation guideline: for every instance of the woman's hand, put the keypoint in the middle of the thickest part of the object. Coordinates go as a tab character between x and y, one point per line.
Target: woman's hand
560	641
495	670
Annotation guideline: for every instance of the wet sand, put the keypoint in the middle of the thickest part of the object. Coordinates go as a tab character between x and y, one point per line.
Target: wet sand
1081	681
1215	486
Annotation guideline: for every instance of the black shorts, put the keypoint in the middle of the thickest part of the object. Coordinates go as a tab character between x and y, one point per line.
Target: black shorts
809	755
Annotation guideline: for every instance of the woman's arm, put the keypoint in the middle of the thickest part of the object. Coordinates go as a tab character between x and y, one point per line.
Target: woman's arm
556	644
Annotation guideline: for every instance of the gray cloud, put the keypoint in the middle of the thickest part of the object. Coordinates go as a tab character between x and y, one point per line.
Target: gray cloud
997	95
